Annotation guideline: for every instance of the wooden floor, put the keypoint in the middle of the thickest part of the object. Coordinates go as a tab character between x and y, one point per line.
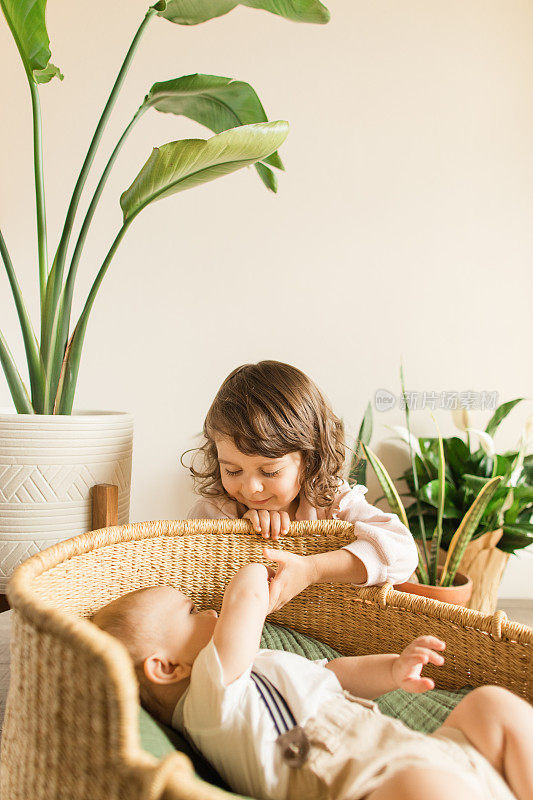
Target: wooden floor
517	610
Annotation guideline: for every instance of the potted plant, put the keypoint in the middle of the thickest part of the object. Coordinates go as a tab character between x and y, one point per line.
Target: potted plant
505	525
444	541
50	455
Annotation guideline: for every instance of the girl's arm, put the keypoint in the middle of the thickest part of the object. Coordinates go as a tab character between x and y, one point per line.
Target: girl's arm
372	676
295	573
238	631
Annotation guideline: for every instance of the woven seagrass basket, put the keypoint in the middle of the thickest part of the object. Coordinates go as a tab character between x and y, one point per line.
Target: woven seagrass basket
71	728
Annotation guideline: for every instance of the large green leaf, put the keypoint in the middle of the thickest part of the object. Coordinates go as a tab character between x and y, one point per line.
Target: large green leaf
187	163
26	19
192	12
516	537
430	493
171	168
500	414
217	102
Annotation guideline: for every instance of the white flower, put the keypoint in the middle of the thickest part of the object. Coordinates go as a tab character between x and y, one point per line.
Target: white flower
461	418
486	442
403	434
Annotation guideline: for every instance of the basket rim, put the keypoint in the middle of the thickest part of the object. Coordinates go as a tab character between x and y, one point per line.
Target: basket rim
21	598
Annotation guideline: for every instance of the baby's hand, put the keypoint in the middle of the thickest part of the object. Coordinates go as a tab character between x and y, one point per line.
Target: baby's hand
407	667
269	523
294	574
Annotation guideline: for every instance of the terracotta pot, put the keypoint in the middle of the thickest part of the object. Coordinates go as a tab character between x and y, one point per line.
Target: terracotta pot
458	594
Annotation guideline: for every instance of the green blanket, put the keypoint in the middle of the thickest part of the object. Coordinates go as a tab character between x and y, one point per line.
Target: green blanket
423	712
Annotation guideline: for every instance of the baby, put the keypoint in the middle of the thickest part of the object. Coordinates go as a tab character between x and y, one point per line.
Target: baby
276	725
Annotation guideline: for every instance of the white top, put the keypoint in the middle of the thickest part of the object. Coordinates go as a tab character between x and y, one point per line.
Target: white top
381	541
231	725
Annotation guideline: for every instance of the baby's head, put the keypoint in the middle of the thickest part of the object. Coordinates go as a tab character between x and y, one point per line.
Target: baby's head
271	420
163	632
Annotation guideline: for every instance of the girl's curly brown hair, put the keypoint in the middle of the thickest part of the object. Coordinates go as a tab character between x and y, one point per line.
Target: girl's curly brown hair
271	409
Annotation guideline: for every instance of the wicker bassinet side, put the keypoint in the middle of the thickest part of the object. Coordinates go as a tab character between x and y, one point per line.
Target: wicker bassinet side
71	727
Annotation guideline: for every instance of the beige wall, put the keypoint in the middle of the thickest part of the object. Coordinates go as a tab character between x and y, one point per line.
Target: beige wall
402	225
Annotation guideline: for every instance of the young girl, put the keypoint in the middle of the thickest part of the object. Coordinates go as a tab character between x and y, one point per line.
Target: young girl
274	452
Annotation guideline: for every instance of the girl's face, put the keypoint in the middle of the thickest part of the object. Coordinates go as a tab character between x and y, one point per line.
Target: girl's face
259	482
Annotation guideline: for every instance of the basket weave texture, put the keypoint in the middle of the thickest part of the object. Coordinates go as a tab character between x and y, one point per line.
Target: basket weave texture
71	727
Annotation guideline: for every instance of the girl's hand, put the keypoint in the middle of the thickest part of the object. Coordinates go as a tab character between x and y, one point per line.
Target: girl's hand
294	574
407	667
269	523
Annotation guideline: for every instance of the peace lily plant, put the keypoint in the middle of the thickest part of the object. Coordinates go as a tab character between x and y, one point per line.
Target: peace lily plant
459	491
243	136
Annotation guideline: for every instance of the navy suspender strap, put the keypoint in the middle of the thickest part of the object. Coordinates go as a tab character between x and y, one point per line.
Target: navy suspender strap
292	739
276	705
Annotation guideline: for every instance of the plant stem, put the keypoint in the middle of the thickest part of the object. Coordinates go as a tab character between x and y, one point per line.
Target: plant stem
67	389
415	474
33	356
39	188
59	340
55	280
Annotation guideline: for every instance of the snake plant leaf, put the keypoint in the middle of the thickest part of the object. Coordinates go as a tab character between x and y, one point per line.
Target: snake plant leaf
26	19
19	393
437	533
466	530
216	102
389	489
500	414
187	163
192	12
358	465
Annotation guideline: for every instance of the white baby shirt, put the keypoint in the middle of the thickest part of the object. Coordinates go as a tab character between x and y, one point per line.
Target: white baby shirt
232	726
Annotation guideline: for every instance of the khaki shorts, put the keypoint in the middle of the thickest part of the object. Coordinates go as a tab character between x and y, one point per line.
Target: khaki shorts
355	749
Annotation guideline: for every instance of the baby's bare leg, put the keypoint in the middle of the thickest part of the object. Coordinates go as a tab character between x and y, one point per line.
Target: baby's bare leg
417	783
500	725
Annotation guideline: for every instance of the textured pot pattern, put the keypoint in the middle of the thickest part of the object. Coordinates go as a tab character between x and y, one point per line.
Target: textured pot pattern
48	466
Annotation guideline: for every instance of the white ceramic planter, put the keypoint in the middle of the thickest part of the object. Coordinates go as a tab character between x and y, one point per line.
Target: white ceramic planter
48	465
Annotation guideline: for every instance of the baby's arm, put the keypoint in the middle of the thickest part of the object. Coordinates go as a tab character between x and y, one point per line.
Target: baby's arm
238	631
372	676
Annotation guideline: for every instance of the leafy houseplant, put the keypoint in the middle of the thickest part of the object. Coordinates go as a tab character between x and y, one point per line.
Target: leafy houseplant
469	470
439	474
50	455
243	136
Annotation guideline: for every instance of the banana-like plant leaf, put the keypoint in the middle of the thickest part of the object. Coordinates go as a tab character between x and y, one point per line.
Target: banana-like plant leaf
171	168
184	164
500	414
192	12
26	19
216	102
466	530
387	485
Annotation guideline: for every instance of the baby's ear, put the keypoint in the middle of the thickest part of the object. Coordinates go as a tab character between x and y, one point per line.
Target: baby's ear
159	669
